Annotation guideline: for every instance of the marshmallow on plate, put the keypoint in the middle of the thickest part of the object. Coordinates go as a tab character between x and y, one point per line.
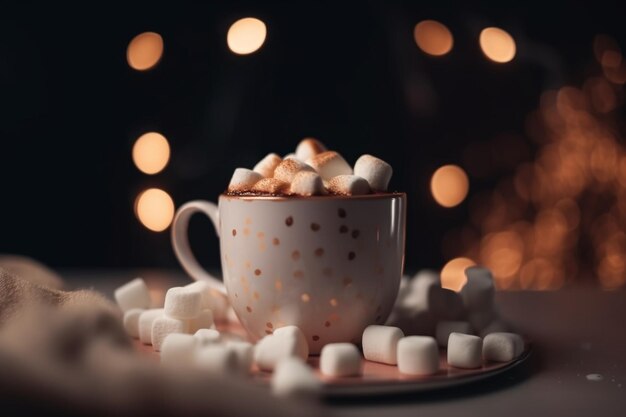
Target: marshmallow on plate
330	164
272	348
340	359
133	294
216	359
444	328
481	319
376	171
308	148
380	343
464	350
348	185
478	292
427	294
288	168
207	336
178	349
145	324
243	179
267	165
302	347
204	320
418	355
271	186
182	302
293	377
163	326
307	183
502	347
131	321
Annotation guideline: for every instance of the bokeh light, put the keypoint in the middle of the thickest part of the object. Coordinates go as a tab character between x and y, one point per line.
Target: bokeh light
453	273
155	209
151	153
497	45
449	185
246	35
144	51
433	37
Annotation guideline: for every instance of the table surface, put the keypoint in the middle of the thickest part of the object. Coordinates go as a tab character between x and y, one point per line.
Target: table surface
575	331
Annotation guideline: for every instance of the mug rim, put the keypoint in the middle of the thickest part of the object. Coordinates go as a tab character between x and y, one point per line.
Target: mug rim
334	197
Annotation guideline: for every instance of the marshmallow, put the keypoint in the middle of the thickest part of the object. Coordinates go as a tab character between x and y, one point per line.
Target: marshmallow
267	165
133	294
204	320
302	347
329	164
271	186
478	292
464	350
145	324
288	168
348	185
178	348
182	303
307	183
131	321
380	343
163	326
216	359
204	288
502	347
294	378
243	179
418	355
426	294
291	156
444	328
426	275
244	352
340	359
272	348
308	148
207	336
376	171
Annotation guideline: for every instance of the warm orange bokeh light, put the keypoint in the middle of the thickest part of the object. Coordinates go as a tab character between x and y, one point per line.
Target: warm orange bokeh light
497	45
246	35
151	153
453	273
449	185
433	37
155	209
144	51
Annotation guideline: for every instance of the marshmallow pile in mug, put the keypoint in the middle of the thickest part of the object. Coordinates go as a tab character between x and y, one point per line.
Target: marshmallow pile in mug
312	170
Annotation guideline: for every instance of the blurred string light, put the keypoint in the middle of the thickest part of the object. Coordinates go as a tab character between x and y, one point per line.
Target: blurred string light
155	209
609	56
497	45
151	153
453	273
449	185
433	37
144	51
246	35
562	215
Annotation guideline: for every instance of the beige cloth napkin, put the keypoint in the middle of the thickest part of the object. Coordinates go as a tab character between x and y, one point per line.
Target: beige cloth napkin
66	353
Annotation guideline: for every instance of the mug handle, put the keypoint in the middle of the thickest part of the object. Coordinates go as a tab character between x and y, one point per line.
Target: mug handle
180	240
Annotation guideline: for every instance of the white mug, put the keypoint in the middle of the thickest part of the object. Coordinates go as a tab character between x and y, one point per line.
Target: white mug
330	265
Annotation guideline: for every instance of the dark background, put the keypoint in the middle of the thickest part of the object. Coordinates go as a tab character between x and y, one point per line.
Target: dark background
350	75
